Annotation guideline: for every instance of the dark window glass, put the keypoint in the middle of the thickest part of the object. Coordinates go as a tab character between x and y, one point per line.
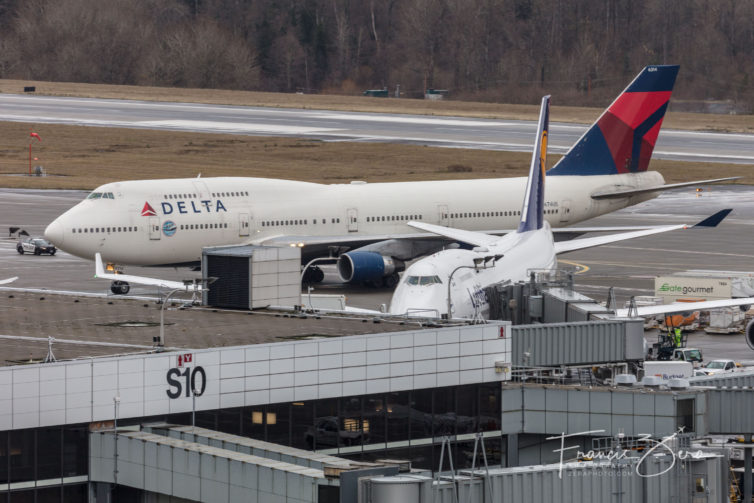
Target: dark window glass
75	493
278	421
685	414
326	424
302	414
355	430
75	451
489	407
421	413
22	450
253	422
397	416
466	414
374	417
3	458
49	494
206	419
421	457
444	419
229	421
49	445
22	496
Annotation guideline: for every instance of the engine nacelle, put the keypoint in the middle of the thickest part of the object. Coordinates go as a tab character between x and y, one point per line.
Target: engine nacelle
356	266
749	334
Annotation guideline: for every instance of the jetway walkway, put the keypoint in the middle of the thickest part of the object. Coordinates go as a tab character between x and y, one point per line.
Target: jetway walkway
196	464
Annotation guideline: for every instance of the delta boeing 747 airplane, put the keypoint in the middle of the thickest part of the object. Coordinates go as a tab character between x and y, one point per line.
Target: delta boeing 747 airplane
168	222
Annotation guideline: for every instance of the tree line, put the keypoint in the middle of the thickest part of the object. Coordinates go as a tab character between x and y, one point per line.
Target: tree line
496	50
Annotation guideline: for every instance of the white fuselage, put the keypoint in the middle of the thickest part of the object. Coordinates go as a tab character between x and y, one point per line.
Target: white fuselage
449	280
156	222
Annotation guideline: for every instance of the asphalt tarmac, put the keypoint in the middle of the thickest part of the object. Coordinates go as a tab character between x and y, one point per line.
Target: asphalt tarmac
458	132
629	266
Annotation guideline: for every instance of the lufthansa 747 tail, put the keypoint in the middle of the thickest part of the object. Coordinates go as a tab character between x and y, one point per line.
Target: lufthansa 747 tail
532	214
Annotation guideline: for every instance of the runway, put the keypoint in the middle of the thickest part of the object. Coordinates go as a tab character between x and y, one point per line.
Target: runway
451	132
630	267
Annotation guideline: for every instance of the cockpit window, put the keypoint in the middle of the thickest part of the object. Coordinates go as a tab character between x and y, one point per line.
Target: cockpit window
101	195
423	280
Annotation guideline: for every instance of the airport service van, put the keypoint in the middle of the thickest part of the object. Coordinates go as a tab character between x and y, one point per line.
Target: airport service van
669	370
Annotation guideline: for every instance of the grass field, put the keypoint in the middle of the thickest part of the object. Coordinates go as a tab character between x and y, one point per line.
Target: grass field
77	157
84	157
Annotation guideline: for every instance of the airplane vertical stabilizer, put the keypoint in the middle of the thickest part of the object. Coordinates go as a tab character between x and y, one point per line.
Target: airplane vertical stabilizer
623	138
532	213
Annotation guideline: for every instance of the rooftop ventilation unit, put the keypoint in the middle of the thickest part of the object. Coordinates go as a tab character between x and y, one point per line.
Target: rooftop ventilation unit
678	384
625	380
651	381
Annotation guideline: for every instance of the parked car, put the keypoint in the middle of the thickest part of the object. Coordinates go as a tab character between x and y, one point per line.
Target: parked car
721	366
37	246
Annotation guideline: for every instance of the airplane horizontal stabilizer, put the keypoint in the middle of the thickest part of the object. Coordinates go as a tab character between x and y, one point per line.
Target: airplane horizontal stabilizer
9	280
679	307
100	273
617	194
580	244
470	237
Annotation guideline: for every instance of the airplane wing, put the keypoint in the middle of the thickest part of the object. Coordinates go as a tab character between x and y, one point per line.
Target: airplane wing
658	188
100	273
471	237
9	280
580	244
679	307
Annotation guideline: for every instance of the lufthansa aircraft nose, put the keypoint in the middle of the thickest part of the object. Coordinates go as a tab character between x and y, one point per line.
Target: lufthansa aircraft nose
54	233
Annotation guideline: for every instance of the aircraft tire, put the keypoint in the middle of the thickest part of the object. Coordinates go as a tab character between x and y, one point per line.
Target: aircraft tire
120	287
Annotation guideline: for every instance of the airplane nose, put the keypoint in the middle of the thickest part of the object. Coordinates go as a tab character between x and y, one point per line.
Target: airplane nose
54	233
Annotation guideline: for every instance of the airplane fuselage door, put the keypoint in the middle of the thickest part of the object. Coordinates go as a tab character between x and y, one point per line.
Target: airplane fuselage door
352	217
443	217
243	224
154	228
565	210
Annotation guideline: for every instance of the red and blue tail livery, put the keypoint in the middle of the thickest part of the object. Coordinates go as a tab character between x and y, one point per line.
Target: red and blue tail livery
623	138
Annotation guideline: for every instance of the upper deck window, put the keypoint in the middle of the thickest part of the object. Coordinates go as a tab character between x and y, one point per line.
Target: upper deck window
101	195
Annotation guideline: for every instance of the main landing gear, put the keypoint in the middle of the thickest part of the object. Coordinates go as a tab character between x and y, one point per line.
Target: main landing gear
120	287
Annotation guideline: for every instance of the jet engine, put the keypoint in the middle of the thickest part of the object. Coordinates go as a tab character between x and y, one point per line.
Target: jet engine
365	266
749	334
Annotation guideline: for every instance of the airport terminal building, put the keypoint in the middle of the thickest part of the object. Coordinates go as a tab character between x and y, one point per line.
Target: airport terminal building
317	408
362	397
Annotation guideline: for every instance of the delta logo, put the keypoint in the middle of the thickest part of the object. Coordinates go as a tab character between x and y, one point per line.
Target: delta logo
148	211
184	207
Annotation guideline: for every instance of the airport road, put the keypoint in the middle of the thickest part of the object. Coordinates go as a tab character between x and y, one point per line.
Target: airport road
488	134
629	266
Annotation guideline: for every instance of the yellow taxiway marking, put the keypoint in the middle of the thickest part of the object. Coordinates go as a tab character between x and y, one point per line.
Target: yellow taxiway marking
580	268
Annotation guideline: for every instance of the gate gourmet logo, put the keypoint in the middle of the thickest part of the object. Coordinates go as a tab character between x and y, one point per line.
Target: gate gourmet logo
685	290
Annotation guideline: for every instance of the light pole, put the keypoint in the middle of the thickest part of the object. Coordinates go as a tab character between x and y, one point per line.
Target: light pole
479	263
161	341
116	402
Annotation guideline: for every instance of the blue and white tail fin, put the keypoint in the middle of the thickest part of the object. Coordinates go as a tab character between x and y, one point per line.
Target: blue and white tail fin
532	213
